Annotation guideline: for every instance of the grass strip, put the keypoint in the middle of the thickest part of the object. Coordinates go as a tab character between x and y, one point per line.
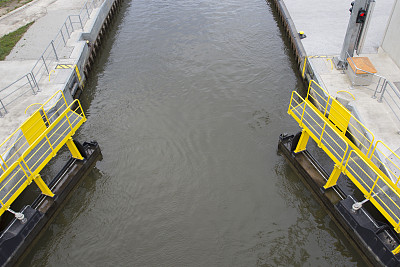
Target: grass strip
8	41
15	3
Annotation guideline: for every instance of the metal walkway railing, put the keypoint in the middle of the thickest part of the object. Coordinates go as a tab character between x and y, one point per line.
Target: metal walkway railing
27	151
52	53
385	90
351	147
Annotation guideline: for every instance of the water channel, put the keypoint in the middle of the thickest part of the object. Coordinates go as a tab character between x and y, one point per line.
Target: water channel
187	100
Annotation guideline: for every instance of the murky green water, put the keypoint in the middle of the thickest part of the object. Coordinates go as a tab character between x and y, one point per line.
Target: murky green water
187	101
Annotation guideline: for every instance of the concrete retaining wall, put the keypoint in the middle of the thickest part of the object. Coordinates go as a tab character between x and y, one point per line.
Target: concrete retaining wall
295	42
305	66
85	50
83	53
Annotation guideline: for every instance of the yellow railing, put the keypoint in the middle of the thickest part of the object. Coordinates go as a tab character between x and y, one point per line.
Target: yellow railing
27	151
309	118
350	145
371	182
360	136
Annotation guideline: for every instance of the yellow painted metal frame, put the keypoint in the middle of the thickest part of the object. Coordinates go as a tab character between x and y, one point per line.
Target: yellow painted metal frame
318	139
339	115
36	134
396	250
369	193
313	96
344	91
297	109
333	178
301	146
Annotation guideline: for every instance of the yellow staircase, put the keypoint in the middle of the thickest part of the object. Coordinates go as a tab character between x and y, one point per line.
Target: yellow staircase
351	147
27	151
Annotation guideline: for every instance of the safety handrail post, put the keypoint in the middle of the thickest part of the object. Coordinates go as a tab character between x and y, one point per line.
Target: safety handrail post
62	36
45	114
30	83
384	85
83	113
35	82
5	110
27	167
70	125
377	86
48	141
80	20
322	133
87	11
5	163
66	28
302	114
26	175
44	61
326	106
54	49
65	100
372	188
70	21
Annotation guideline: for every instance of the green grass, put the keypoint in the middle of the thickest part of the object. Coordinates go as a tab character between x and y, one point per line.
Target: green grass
17	3
7	42
4	2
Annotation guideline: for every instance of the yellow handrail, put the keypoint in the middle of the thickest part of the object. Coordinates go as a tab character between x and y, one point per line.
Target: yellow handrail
42	136
356	129
315	115
344	91
309	125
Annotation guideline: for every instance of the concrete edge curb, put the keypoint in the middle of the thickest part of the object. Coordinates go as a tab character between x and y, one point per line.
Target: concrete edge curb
296	44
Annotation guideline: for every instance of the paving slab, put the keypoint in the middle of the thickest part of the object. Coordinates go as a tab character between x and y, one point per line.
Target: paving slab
325	24
23	15
49	16
44	29
376	116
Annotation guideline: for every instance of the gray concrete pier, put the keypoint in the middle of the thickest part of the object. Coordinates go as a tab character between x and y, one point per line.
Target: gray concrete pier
325	24
62	33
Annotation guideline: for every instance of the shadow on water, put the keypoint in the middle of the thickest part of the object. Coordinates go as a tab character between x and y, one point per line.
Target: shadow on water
103	55
301	86
312	228
75	206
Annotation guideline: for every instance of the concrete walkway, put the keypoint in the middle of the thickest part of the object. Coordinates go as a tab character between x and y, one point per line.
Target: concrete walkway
49	16
325	24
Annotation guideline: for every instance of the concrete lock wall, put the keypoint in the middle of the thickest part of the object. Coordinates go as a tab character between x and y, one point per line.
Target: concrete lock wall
82	51
391	40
